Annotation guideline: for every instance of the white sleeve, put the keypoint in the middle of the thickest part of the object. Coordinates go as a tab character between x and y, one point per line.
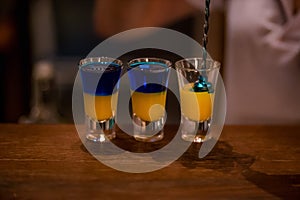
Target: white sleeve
284	39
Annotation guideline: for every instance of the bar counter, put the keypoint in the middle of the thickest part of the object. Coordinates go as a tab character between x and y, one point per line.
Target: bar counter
248	162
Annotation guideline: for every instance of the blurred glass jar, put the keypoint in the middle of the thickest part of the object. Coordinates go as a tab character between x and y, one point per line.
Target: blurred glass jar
44	109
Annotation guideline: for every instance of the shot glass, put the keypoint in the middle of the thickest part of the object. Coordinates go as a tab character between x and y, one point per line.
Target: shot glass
197	80
148	83
100	79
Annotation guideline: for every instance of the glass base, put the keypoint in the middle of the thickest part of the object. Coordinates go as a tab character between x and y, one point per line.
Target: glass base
196	139
146	131
189	127
100	131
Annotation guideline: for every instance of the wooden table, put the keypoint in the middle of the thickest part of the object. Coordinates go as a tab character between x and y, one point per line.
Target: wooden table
248	162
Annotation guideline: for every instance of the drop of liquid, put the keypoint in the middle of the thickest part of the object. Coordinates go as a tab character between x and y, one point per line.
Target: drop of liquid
202	85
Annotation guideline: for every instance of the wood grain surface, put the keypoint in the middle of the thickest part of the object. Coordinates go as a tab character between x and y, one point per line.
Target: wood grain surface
248	162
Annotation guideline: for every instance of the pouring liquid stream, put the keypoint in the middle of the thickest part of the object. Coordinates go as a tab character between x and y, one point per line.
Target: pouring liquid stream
202	84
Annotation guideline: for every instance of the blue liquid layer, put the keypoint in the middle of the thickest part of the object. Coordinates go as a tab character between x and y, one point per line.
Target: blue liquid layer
100	79
148	77
151	88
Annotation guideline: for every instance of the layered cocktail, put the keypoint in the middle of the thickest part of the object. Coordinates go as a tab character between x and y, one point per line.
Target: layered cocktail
100	80
148	83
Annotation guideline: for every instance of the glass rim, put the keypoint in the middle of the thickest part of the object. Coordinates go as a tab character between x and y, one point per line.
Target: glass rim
149	60
213	64
100	60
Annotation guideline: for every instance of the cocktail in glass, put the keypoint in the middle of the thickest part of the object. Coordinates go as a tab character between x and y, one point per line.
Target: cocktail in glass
148	83
100	80
197	84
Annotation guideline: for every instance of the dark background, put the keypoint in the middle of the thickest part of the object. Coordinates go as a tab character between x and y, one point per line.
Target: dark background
74	37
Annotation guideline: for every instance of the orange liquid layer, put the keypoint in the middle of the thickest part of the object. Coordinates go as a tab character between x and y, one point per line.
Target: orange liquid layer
100	107
149	106
196	106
